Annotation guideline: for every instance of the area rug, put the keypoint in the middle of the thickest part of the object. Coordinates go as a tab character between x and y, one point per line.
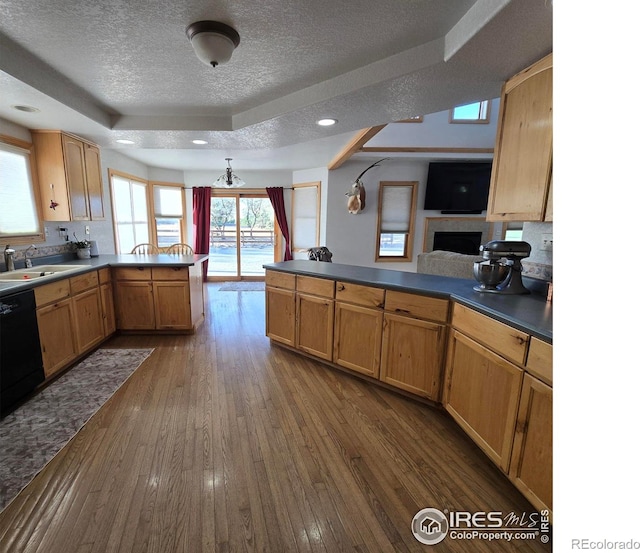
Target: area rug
242	286
31	435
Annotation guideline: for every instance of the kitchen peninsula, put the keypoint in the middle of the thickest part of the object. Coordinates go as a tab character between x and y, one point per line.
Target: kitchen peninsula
485	358
80	303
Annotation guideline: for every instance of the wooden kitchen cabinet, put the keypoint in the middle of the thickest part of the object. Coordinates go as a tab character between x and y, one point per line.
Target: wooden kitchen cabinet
314	316
532	458
156	298
57	341
357	331
87	309
107	302
70	174
171	305
413	339
280	307
521	179
481	393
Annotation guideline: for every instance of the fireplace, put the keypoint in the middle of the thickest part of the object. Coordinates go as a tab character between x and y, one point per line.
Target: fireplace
458	234
459	242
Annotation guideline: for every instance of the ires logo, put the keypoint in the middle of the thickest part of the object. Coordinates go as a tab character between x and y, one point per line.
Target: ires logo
431	526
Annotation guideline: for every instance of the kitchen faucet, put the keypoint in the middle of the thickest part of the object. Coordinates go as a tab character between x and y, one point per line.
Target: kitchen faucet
8	258
27	260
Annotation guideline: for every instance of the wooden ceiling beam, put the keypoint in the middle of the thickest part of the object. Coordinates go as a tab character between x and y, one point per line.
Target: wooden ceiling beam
425	150
355	145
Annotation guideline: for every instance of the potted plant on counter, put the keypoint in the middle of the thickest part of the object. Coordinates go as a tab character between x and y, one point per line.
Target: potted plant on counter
82	248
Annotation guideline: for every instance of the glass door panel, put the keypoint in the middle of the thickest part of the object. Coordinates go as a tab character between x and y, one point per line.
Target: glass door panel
242	237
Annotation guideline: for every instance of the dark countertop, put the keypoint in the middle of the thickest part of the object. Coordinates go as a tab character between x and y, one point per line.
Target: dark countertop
100	262
529	313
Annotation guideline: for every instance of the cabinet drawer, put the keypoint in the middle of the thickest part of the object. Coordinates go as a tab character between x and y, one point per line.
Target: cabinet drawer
83	282
104	276
360	295
170	273
52	292
315	286
133	273
413	305
280	280
540	360
501	338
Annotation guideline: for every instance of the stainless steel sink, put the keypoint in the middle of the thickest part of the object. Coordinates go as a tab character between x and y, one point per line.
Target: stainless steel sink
38	272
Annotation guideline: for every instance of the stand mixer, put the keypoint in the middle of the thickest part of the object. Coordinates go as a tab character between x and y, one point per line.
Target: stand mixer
497	276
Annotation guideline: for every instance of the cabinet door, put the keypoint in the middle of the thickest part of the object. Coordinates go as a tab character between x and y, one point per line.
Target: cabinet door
412	353
280	312
357	338
532	458
481	394
56	324
134	305
108	309
89	330
171	305
73	151
522	163
93	182
315	325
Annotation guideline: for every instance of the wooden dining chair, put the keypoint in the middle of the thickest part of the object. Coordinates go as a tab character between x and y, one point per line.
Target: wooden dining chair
146	249
180	249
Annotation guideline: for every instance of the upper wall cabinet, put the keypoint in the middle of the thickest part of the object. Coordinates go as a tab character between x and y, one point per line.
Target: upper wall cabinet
522	166
69	176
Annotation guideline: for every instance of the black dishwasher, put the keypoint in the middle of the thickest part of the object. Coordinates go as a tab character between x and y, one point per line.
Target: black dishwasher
20	356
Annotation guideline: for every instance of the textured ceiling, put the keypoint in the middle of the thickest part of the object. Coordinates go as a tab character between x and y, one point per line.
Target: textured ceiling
116	69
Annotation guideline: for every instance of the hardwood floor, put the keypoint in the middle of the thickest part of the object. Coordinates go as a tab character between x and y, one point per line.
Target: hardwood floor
221	442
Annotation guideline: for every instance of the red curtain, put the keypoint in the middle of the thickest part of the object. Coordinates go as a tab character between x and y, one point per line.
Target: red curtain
276	195
202	222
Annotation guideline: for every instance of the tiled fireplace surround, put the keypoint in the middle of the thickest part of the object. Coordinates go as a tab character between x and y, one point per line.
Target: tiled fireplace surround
490	231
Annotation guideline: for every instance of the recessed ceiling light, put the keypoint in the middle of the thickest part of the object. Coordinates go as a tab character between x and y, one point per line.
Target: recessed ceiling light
124	141
198	141
326	122
28	109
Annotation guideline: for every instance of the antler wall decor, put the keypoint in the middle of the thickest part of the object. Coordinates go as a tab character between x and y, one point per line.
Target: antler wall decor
357	194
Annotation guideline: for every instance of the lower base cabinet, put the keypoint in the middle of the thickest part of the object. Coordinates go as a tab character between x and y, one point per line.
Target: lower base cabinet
481	393
280	312
357	338
87	310
532	457
57	343
314	325
157	298
412	355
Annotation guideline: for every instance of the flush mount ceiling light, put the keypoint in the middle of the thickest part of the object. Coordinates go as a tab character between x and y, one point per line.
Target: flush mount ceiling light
228	179
213	42
327	122
124	141
199	141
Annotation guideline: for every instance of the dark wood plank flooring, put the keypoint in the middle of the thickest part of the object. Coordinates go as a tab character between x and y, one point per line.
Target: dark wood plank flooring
223	442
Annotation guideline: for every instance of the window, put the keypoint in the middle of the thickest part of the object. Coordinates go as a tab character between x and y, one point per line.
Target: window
130	211
168	210
19	204
478	112
396	216
305	218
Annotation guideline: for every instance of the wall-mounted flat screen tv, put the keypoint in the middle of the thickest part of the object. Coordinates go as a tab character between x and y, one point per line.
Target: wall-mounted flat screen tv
458	187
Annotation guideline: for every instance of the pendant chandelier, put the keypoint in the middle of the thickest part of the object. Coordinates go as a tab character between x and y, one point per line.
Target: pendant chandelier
228	179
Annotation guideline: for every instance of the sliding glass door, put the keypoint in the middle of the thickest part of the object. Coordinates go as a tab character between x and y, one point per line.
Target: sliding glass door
242	236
